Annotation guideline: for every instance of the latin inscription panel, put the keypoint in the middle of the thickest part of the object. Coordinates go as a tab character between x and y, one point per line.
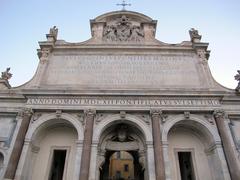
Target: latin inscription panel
123	101
123	71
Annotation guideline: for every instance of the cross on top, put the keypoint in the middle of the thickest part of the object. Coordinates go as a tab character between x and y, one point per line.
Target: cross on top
123	4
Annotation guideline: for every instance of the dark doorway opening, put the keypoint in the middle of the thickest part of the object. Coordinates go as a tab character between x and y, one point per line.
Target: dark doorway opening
123	169
57	166
186	166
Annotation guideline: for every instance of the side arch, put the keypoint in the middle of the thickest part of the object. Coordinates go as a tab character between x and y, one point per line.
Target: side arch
201	124
130	119
211	149
48	119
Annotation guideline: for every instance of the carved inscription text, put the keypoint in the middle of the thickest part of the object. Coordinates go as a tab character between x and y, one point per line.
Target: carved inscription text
123	71
123	101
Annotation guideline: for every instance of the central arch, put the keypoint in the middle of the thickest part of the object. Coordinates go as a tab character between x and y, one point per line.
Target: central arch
122	138
137	142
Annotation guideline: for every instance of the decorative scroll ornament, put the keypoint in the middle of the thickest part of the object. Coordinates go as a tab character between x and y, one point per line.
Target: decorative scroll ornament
6	75
203	55
237	77
123	31
44	54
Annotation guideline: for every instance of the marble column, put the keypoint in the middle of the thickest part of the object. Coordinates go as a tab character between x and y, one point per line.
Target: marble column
157	144
165	146
25	115
79	145
150	171
93	165
86	151
225	135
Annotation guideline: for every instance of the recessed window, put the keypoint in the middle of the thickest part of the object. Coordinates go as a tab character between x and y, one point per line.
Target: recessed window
57	166
126	167
186	166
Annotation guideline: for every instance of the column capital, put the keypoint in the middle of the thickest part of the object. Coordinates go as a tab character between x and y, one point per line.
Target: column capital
219	113
90	112
25	112
156	112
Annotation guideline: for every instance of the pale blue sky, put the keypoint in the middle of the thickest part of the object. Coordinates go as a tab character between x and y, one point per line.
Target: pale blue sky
25	22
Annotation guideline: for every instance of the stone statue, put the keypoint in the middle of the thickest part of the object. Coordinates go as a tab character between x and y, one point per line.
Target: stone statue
110	33
53	31
195	37
237	77
137	34
6	75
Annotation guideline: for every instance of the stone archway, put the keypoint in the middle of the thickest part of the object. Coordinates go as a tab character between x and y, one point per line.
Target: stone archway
199	138
122	137
68	134
54	146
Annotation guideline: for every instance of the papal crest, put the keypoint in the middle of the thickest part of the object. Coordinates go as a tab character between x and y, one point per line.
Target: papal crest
123	31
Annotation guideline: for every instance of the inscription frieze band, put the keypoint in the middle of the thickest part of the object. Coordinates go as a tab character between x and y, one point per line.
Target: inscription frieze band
121	101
